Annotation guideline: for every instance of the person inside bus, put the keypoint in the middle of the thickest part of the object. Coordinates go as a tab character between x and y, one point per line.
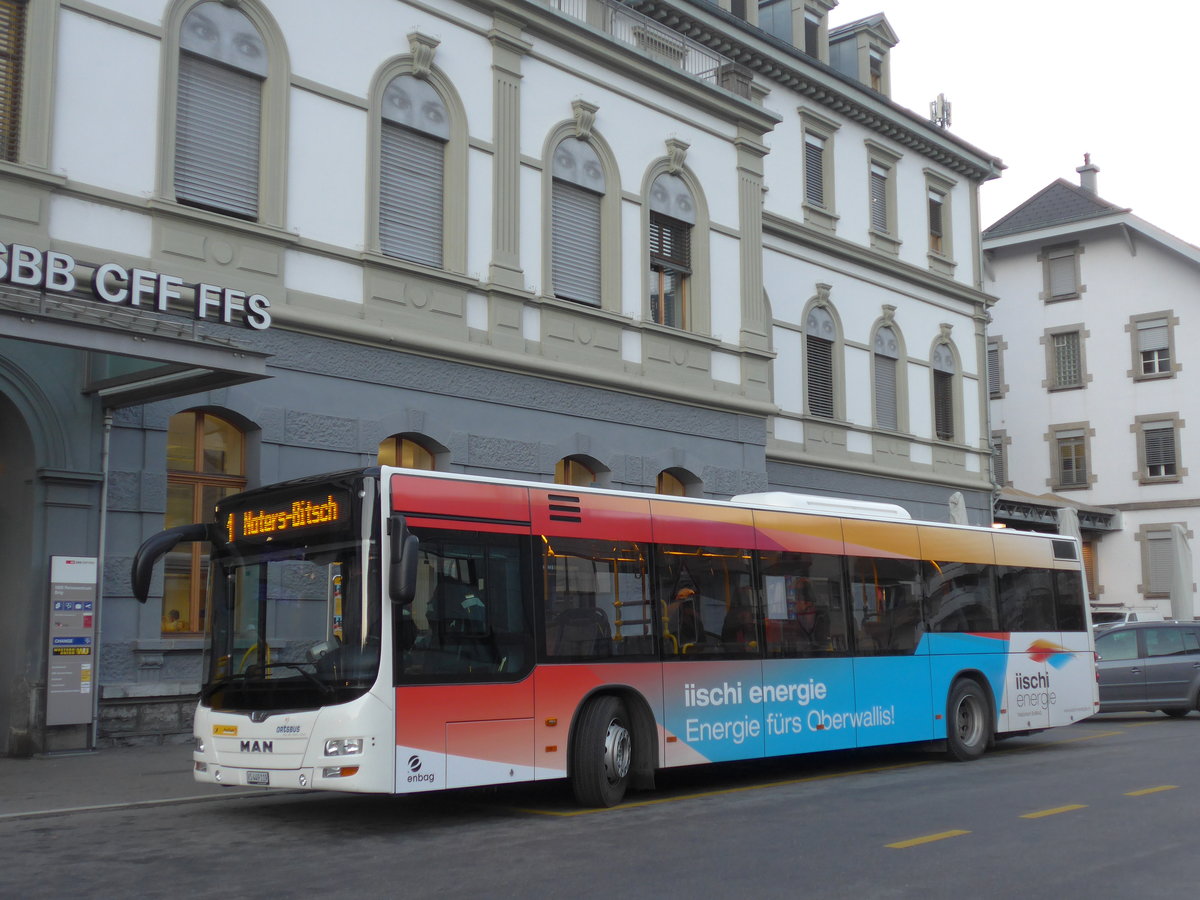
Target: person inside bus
683	622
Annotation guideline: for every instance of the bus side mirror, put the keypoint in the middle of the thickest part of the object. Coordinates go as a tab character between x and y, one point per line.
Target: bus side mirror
155	548
402	571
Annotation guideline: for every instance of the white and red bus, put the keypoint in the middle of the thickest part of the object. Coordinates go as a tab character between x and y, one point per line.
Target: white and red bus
389	630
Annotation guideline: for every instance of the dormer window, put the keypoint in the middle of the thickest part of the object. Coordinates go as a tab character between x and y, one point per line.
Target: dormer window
812	33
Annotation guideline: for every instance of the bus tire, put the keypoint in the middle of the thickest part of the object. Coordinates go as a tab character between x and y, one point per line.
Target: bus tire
968	721
602	753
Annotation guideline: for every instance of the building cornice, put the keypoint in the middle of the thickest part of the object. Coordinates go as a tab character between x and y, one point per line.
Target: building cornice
772	59
589	42
775	225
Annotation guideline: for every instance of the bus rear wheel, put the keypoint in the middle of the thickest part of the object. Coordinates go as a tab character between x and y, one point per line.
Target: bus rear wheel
602	753
968	721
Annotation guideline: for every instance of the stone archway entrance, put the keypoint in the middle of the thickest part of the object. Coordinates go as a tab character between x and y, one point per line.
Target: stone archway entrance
18	657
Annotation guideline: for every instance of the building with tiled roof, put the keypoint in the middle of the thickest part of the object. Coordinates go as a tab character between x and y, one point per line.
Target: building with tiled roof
1090	387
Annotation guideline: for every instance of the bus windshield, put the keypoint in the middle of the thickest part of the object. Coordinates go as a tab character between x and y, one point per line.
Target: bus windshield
295	617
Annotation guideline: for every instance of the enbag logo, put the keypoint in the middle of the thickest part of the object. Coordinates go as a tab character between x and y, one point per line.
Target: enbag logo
414	770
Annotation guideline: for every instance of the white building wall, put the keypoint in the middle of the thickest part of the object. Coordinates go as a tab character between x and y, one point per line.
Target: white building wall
327	174
1119	284
106	124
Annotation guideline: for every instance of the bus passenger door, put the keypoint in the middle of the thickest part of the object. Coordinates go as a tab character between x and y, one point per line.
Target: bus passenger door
464	662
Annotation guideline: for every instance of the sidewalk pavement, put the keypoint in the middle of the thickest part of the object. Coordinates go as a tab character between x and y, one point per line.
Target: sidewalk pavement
113	778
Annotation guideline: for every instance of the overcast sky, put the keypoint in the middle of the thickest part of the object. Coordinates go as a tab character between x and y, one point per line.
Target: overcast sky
1040	84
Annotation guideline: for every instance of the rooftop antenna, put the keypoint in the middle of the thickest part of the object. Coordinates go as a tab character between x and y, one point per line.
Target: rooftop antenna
939	111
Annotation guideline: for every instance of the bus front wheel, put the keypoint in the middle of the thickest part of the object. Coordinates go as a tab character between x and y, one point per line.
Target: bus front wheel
602	753
968	721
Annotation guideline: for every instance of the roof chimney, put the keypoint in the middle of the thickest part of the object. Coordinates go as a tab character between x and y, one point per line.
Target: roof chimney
1087	174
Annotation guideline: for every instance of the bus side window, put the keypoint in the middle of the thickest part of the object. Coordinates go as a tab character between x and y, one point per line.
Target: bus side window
1068	601
1026	599
467	618
596	599
959	597
805	611
707	603
886	597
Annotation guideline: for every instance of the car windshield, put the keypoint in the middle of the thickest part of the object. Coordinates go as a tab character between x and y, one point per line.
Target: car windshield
294	623
1107	618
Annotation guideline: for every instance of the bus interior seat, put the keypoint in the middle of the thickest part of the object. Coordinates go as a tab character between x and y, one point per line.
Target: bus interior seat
579	631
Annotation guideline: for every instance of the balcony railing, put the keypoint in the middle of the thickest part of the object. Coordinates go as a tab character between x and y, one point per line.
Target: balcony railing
658	42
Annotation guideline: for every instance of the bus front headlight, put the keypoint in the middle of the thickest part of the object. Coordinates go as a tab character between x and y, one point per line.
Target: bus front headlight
343	746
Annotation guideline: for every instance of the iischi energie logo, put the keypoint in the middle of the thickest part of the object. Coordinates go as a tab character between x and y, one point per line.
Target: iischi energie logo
1043	651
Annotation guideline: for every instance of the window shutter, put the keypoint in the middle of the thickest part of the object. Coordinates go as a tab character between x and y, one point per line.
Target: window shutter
670	242
1160	552
1159	439
885	393
575	217
814	170
411	179
879	210
1062	275
819	360
1152	335
935	214
943	405
218	123
1072	462
999	469
12	45
993	361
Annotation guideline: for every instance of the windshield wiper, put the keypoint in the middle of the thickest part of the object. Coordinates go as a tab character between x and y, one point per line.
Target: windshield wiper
324	688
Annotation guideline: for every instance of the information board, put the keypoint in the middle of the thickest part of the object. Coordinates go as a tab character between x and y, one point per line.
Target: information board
72	656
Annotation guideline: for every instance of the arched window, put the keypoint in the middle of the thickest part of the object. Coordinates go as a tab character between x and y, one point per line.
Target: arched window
677	483
944	370
574	472
205	463
404	451
223	65
672	215
414	132
820	333
887	355
577	193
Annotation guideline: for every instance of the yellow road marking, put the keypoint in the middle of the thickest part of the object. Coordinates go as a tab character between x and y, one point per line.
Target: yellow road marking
1154	790
1055	811
1088	737
735	790
927	839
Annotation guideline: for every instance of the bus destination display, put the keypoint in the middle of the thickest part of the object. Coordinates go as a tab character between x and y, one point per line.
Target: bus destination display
286	518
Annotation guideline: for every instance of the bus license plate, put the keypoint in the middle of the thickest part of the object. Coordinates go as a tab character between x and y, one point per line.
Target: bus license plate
263	778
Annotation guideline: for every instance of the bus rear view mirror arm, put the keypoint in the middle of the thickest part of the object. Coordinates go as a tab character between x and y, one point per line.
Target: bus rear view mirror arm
402	572
157	547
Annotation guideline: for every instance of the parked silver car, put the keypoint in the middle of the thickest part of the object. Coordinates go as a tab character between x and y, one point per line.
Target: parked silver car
1149	665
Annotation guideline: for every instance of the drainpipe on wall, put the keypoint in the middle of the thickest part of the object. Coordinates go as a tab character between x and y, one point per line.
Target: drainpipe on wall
100	558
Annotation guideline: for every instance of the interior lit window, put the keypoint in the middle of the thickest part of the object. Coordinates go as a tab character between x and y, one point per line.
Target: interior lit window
407	453
573	472
205	463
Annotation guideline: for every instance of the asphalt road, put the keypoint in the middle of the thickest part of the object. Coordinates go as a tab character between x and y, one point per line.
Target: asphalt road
1103	809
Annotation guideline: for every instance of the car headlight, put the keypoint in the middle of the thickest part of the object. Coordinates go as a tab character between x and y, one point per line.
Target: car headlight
343	746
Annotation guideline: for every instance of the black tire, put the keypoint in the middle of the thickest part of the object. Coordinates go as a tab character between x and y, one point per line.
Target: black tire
602	753
1175	713
968	721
